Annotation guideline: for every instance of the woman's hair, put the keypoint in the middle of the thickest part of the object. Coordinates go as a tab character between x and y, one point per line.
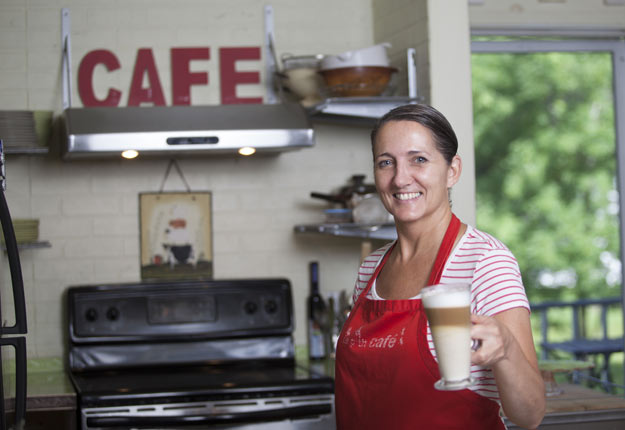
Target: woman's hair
442	132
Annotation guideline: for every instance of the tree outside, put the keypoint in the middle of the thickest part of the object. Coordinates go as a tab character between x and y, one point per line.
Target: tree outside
546	169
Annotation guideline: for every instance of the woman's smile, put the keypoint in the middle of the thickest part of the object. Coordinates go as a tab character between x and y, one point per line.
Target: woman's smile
407	196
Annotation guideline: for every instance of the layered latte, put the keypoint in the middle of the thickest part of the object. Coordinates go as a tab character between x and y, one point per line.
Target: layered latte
449	315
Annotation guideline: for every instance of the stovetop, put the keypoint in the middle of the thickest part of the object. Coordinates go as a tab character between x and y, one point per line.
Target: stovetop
198	383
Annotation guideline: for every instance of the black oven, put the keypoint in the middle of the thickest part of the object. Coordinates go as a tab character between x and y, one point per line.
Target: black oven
197	355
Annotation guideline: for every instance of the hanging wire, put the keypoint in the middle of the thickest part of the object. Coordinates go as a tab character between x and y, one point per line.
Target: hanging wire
173	162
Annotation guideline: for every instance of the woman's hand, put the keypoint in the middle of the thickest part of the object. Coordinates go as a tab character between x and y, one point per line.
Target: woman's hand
494	338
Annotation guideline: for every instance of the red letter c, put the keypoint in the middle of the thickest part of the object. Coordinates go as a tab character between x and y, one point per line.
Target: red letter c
85	78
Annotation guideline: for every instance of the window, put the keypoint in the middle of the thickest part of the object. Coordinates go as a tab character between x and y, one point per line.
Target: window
549	118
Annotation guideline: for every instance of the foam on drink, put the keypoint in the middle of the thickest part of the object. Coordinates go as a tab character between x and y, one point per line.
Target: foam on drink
455	296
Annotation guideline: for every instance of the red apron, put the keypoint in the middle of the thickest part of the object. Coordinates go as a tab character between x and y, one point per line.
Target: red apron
385	372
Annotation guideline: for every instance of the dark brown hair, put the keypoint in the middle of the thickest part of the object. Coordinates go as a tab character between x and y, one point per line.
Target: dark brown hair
442	132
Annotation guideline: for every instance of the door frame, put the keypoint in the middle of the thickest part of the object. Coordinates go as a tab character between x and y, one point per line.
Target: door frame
617	48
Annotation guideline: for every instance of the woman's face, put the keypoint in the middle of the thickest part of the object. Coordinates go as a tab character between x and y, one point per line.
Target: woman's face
411	175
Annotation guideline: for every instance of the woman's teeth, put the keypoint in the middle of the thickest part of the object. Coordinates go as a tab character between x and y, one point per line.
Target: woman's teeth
407	196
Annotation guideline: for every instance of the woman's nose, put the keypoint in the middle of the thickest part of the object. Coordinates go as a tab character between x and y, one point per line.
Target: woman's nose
401	177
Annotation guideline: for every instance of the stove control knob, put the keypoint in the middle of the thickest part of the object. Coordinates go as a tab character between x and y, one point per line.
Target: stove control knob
112	314
250	307
91	315
271	307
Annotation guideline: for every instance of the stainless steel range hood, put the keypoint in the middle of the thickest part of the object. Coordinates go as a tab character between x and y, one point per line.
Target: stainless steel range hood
179	130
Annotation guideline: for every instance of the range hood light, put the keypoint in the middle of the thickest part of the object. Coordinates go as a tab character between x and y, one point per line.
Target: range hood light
247	150
129	154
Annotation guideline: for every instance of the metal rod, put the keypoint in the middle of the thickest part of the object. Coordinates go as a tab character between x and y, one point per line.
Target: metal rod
270	61
3	181
411	68
618	76
66	63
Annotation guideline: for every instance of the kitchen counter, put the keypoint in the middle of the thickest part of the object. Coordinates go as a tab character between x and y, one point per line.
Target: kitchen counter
580	408
50	396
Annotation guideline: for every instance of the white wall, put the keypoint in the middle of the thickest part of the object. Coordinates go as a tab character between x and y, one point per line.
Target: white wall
88	210
592	16
450	83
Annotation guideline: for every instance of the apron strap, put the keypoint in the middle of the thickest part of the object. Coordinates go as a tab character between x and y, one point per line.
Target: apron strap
444	250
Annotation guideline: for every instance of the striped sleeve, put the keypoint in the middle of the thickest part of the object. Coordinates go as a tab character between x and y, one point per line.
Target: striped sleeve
496	285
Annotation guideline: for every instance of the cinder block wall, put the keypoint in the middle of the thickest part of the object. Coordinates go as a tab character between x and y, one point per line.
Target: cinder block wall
88	210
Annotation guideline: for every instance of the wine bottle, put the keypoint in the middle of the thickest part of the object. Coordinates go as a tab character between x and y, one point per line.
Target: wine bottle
316	310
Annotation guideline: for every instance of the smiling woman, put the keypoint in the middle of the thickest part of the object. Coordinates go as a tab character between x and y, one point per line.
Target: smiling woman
411	174
415	165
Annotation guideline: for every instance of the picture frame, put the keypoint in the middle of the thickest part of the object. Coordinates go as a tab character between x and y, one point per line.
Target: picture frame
176	240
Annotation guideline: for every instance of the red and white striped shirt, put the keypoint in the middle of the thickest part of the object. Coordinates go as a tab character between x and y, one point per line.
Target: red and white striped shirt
496	286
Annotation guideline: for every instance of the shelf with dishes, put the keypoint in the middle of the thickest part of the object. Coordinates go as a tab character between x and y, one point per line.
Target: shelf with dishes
26	234
353	87
364	231
25	132
361	213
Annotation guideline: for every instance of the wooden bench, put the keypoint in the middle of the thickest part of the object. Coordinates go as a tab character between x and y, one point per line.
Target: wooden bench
580	346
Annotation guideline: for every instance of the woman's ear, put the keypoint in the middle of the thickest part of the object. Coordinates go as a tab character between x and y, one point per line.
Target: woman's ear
454	170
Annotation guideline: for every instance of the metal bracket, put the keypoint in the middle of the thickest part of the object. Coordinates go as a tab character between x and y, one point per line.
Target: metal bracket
271	61
3	178
411	68
66	63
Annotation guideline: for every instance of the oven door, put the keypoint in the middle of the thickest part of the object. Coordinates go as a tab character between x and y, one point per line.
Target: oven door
273	413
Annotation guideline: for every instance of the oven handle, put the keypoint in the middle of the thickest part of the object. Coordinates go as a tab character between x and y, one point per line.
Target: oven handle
193	420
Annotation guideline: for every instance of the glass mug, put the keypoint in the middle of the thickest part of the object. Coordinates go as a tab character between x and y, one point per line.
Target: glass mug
447	307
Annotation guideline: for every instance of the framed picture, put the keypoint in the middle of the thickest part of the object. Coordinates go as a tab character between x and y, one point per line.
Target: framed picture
176	235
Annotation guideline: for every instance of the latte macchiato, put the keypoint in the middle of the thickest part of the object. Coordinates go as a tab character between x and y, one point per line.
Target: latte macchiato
447	310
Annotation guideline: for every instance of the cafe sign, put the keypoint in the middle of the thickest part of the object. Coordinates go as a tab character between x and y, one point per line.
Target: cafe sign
145	83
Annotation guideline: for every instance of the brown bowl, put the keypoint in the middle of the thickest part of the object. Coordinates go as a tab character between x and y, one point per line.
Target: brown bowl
362	81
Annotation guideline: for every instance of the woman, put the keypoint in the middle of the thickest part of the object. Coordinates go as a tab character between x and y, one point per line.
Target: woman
385	367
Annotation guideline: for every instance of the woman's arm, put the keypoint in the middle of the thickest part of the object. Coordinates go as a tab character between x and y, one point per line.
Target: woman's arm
508	348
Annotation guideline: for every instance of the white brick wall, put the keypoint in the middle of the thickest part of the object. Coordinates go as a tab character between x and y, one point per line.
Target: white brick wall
89	209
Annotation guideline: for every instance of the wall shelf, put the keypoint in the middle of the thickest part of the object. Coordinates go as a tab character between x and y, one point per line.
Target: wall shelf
357	110
383	232
26	150
31	245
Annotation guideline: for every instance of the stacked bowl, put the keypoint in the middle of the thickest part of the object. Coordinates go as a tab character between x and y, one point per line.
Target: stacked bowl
360	73
300	75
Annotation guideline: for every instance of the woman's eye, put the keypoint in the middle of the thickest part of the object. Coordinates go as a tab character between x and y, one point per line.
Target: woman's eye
384	163
420	159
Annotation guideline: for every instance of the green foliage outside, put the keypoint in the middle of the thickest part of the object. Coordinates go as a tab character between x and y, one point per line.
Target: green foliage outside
546	166
546	178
